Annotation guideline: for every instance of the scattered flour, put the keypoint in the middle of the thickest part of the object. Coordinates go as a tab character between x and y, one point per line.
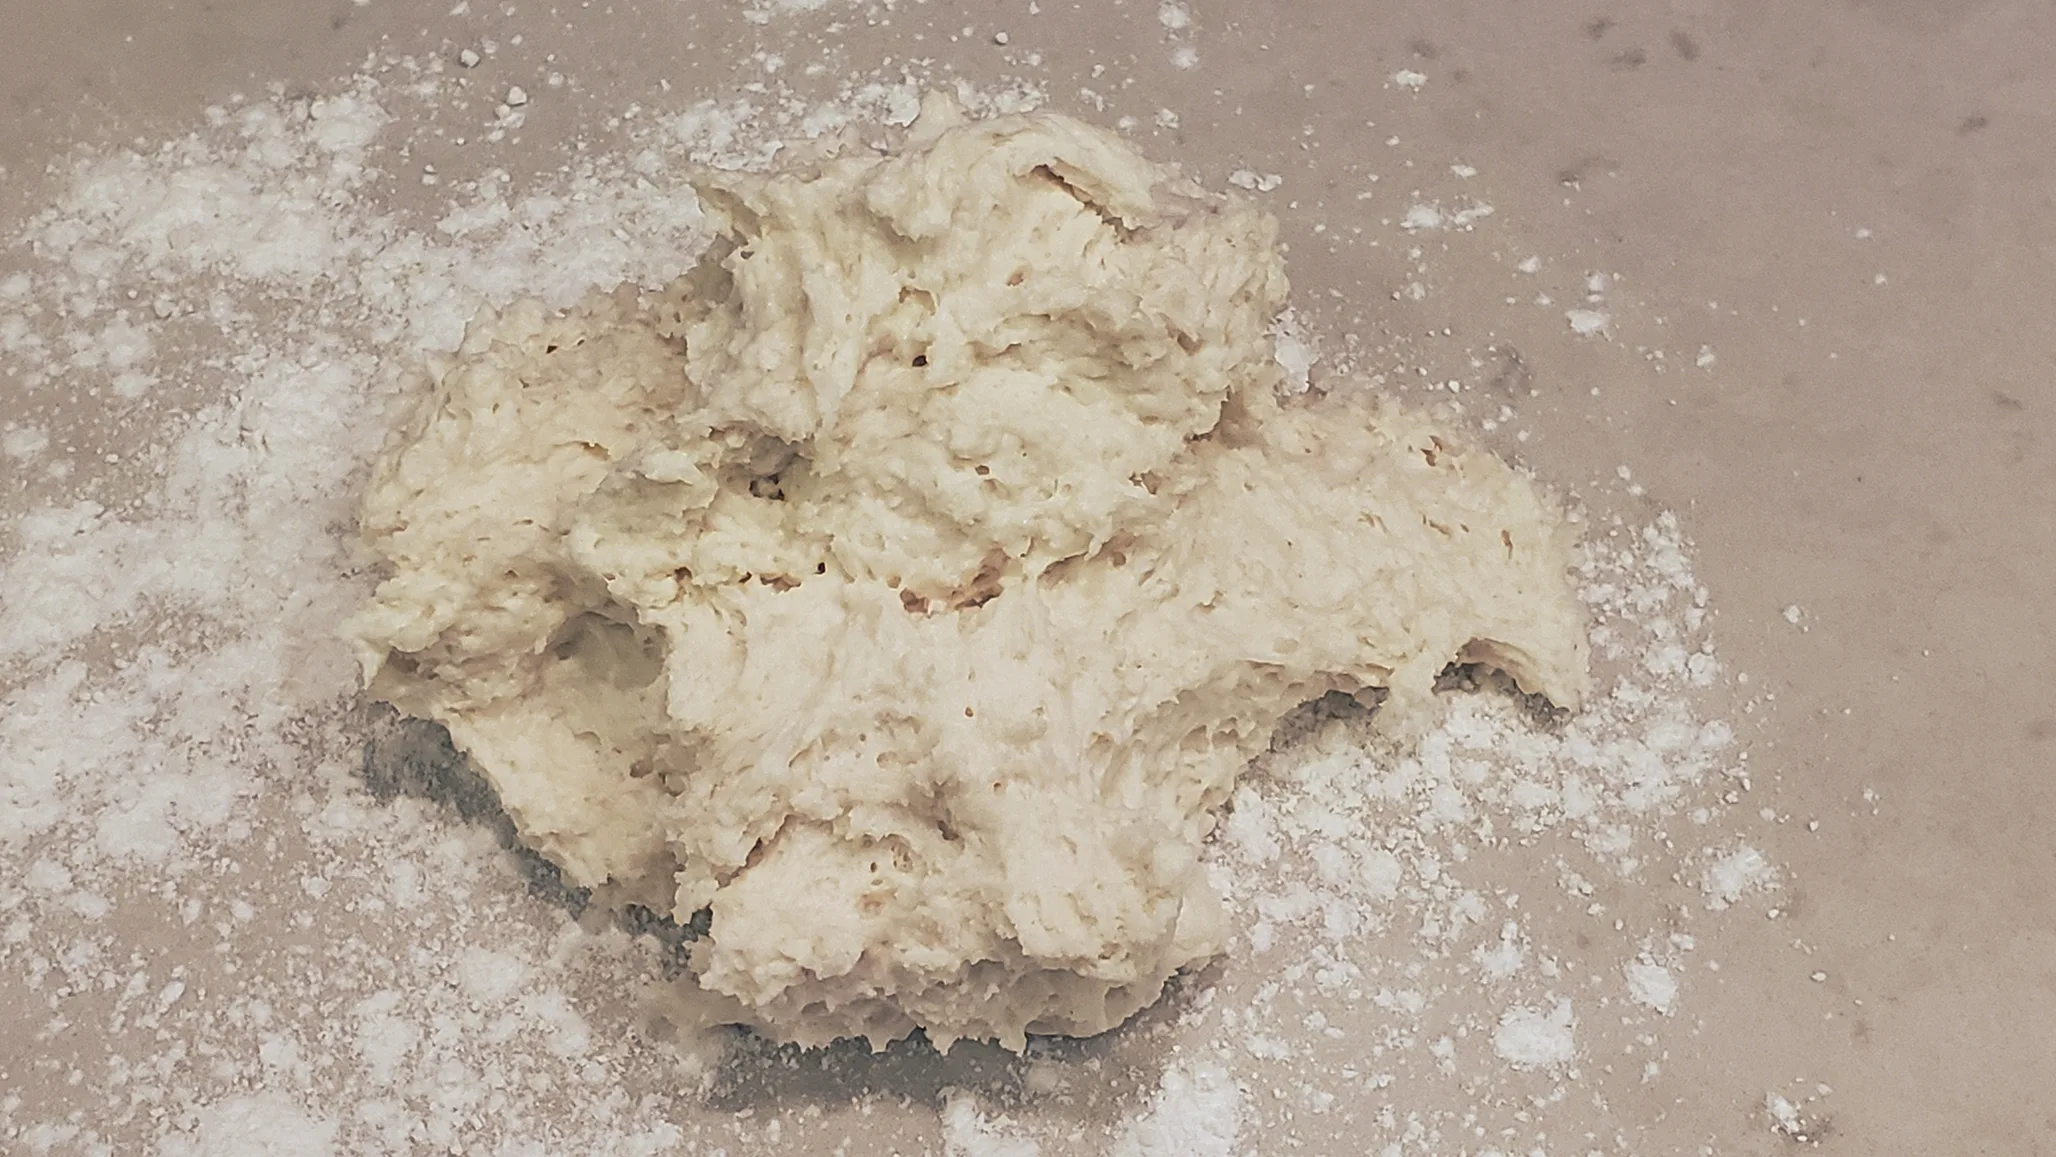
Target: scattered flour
1254	181
1298	352
1179	27
765	11
220	942
1791	1120
1784	1115
1531	1038
1651	984
1196	1112
968	1132
259	1126
1734	875
1587	322
1422	217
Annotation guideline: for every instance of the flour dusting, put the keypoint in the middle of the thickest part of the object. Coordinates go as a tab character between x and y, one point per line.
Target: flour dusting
219	936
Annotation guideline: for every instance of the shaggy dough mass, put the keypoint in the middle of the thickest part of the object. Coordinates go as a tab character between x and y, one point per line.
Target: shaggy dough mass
908	582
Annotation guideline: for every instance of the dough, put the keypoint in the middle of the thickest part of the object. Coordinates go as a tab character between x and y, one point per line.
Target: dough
907	584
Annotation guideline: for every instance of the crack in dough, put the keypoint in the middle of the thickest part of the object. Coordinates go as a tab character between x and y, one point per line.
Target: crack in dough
907	584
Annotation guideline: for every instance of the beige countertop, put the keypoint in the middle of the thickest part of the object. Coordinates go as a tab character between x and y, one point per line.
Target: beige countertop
1826	236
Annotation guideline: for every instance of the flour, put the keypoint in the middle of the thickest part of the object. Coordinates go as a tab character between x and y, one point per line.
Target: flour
1533	1038
1255	182
260	1126
1651	984
1588	322
1734	875
180	750
968	1132
1179	27
1422	217
1196	1112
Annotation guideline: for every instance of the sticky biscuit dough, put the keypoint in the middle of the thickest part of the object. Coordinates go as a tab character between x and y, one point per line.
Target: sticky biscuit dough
905	586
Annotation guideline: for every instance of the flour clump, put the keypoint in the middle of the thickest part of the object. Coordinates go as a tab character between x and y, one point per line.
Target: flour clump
903	588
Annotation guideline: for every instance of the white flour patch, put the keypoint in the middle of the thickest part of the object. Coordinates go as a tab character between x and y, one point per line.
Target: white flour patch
1252	181
1298	353
260	1126
1196	1112
1179	28
1533	1038
1651	984
1736	874
1422	216
23	443
765	11
1588	322
968	1132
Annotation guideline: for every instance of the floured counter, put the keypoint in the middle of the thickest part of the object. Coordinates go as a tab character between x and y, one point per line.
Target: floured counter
1469	925
906	585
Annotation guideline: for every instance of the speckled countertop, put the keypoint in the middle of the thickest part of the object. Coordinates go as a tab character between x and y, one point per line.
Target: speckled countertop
1782	271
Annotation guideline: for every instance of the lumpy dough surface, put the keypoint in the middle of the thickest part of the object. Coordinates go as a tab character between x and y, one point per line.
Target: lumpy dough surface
906	585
